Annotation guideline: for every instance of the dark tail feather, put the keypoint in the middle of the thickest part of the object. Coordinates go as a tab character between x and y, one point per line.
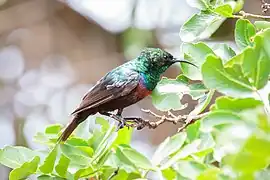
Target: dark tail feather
68	131
78	118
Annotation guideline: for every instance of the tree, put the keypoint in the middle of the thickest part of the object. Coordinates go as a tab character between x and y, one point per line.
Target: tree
230	141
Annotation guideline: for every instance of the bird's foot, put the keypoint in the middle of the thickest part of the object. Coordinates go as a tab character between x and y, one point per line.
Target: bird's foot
135	122
121	123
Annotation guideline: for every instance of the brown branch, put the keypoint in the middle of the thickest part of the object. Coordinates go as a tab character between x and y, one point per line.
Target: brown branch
140	123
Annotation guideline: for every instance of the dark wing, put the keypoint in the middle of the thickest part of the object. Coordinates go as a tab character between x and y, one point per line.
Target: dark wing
115	84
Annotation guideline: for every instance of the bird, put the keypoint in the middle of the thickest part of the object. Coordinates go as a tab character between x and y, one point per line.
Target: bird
123	86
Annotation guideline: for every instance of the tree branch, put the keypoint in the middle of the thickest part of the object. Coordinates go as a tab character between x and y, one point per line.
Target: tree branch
244	14
140	123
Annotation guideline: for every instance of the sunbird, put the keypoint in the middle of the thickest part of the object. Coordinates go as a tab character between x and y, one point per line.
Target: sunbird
123	86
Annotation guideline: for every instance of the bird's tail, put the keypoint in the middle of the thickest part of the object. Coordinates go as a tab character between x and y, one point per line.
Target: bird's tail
71	127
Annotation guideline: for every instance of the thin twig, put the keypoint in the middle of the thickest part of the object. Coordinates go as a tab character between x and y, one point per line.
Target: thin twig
140	123
244	14
265	6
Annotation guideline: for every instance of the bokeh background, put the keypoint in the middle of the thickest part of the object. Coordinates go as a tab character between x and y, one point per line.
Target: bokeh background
52	52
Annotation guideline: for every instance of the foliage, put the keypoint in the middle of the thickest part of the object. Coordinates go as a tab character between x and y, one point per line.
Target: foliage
230	142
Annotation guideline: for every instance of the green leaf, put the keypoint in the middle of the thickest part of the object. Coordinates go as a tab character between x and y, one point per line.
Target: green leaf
169	146
114	162
75	155
200	26
16	156
85	172
124	136
195	53
62	166
169	173
202	103
136	158
47	139
189	169
254	61
199	4
27	169
218	118
193	131
235	104
255	150
46	177
257	60
244	31
53	129
224	51
211	173
75	141
104	143
229	81
103	122
48	164
224	10
261	25
182	153
169	92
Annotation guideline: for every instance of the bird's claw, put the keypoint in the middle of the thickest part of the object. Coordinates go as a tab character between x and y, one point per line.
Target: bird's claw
121	124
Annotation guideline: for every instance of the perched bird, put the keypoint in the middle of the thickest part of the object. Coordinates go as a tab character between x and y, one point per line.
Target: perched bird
123	86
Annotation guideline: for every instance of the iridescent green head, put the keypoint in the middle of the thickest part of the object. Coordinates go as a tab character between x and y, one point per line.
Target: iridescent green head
156	60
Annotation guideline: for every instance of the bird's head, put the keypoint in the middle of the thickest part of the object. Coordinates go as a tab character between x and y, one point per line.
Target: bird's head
157	60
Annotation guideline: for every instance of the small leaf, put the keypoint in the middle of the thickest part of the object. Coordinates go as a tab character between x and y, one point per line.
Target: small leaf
224	10
261	25
16	156
75	155
27	169
244	30
53	129
169	92
169	146
235	104
48	164
62	166
136	158
200	26
218	118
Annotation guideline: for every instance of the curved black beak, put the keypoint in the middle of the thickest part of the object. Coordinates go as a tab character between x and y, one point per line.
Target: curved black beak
183	61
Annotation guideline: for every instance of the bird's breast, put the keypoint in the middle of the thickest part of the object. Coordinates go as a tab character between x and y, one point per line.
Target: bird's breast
141	90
